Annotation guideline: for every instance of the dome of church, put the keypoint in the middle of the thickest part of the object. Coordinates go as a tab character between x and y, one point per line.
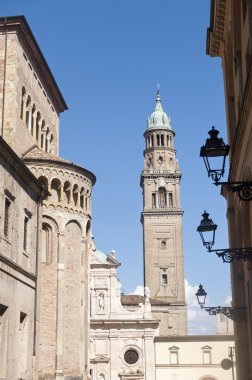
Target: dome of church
159	119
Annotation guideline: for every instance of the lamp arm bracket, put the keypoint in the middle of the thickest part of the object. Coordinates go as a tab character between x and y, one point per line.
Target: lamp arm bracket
234	313
230	254
244	189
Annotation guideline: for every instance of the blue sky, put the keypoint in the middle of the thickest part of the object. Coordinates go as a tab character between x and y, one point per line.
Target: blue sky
107	58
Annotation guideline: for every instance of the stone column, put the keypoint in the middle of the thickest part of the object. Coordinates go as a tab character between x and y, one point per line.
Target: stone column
114	357
85	311
48	137
90	204
78	198
39	133
60	308
34	124
61	193
30	118
71	196
149	349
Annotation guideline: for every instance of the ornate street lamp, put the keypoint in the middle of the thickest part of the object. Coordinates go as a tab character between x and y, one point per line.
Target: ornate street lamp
235	313
207	230
201	296
214	154
214	148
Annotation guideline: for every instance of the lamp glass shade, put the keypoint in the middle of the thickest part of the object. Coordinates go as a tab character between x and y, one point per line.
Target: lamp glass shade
214	153
207	230
201	296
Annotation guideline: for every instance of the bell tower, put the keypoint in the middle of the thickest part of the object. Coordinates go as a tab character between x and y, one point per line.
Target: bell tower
162	224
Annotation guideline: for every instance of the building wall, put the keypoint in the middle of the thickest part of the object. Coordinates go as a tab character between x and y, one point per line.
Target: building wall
64	306
29	112
230	38
192	357
19	252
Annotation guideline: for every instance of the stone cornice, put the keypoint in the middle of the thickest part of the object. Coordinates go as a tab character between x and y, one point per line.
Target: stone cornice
161	213
194	338
61	164
17	268
124	322
161	173
216	31
158	130
155	174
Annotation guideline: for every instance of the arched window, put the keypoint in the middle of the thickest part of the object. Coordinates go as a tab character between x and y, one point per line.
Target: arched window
38	126
67	191
32	119
82	194
76	195
170	200
161	197
46	243
22	103
87	201
55	189
153	200
51	144
28	112
152	140
162	140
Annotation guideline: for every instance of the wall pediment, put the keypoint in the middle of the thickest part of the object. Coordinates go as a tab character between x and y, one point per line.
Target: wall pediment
133	375
99	359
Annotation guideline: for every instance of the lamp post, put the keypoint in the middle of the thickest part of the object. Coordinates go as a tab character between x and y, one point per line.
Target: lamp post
207	230
234	313
214	154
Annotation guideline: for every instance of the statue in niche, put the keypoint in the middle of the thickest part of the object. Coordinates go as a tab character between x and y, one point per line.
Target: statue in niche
101	302
147	292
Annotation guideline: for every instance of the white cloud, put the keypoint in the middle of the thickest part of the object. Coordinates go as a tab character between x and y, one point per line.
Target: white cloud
139	290
228	301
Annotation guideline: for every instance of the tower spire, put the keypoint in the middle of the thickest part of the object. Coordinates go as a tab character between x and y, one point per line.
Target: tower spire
158	106
159	119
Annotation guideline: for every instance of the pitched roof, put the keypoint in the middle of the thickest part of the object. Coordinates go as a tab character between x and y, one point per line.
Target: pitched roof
135	299
36	153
